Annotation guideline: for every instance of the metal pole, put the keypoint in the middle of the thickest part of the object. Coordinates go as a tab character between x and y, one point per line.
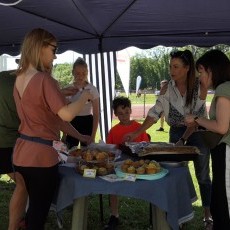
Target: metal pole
144	103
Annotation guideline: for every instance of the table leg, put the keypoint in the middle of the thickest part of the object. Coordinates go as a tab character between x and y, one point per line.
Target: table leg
159	219
80	213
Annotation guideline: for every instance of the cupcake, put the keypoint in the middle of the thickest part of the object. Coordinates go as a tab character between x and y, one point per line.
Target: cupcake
140	170
136	164
102	171
100	156
88	156
110	167
128	162
124	167
156	165
141	162
150	169
131	169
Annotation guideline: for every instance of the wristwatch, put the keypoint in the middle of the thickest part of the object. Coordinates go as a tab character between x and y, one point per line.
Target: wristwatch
183	140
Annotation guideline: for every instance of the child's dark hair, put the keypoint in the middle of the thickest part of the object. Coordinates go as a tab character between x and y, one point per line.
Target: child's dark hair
121	101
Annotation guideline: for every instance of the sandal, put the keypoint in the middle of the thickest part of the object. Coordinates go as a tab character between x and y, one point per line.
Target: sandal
208	223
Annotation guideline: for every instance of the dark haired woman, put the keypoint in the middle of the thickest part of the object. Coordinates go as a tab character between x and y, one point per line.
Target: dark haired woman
214	71
184	95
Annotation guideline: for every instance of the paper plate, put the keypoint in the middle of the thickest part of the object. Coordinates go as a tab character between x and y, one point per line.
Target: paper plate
155	176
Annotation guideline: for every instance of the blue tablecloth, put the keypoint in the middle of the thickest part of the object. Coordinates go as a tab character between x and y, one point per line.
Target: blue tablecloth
173	193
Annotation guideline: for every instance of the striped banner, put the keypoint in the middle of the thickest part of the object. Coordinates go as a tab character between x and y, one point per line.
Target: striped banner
102	69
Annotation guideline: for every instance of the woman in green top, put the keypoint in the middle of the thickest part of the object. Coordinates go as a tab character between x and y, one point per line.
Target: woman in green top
214	71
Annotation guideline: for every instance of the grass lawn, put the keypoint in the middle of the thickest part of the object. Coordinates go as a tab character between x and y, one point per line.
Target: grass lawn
134	214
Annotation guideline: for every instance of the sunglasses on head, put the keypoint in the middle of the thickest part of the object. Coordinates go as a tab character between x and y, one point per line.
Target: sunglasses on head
180	54
55	47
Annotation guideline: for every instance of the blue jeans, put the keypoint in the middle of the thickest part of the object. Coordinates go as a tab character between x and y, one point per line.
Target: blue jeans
201	163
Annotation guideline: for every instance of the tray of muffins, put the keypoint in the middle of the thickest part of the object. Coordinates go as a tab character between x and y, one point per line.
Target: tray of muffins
160	151
102	168
142	169
101	161
94	154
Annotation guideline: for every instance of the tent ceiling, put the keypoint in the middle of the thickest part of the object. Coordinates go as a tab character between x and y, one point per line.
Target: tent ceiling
90	26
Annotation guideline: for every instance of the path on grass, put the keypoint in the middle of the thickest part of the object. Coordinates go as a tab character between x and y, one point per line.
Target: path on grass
140	111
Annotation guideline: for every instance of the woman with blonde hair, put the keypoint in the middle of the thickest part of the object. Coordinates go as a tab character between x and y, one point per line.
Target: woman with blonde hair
43	112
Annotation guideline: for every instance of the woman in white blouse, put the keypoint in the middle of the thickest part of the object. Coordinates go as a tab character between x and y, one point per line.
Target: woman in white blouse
183	95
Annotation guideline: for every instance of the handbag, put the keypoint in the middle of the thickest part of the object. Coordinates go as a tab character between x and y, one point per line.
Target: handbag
211	139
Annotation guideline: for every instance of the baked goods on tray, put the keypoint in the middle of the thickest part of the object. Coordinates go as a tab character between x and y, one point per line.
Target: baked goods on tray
140	167
102	169
93	155
101	161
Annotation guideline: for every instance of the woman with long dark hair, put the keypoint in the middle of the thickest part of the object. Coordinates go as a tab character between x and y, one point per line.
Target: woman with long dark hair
214	72
184	95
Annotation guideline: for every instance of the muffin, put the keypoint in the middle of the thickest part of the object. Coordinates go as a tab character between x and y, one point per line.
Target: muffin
140	170
131	169
102	171
124	167
141	162
100	156
150	169
128	162
109	167
136	164
87	156
156	165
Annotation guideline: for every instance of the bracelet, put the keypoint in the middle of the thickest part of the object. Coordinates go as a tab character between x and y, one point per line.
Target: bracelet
183	140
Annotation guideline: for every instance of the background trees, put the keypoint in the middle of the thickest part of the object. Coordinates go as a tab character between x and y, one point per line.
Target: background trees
63	73
152	65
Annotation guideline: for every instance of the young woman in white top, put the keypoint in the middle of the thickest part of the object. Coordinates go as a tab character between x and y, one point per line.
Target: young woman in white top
86	122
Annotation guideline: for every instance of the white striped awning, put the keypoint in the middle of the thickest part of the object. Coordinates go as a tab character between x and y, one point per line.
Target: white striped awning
102	69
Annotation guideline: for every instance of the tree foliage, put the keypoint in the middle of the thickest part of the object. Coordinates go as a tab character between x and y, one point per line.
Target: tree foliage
63	74
152	65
